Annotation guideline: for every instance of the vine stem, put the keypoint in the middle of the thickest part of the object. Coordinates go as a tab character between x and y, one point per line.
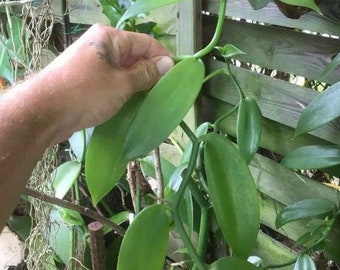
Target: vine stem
215	73
236	83
82	210
218	31
179	195
219	120
159	175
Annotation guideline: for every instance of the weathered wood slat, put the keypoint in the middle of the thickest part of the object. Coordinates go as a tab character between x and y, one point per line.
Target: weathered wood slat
271	14
279	49
286	186
275	136
272	252
279	100
269	210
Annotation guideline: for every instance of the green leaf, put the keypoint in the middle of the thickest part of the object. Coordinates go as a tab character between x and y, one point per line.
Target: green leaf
164	107
105	162
71	217
16	38
249	128
321	110
142	6
64	177
176	178
229	50
60	237
118	219
334	170
318	229
145	242
21	225
304	209
233	194
258	4
232	263
312	157
112	14
77	144
331	66
332	242
111	253
304	262
146	28
303	3
6	70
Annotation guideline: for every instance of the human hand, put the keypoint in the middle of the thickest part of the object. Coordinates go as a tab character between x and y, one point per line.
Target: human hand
97	74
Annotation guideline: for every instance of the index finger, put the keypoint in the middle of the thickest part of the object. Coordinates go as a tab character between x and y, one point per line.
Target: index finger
129	47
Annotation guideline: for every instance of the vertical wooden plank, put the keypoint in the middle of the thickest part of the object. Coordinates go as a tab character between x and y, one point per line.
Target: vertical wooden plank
189	40
189	23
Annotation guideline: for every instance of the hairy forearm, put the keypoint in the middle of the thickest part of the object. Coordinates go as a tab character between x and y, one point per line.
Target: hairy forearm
28	126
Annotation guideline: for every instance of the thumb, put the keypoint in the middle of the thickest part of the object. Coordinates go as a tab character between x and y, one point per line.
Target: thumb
146	72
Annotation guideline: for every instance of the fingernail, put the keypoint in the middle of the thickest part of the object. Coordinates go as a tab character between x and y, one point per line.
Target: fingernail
164	64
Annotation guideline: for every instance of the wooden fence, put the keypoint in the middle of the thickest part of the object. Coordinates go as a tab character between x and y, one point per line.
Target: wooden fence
274	42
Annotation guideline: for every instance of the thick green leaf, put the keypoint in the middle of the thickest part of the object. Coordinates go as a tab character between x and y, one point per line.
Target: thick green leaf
232	263
322	109
249	128
331	66
332	242
303	3
164	107
233	194
258	4
312	157
142	6
304	209
64	177
304	262
105	162
145	242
